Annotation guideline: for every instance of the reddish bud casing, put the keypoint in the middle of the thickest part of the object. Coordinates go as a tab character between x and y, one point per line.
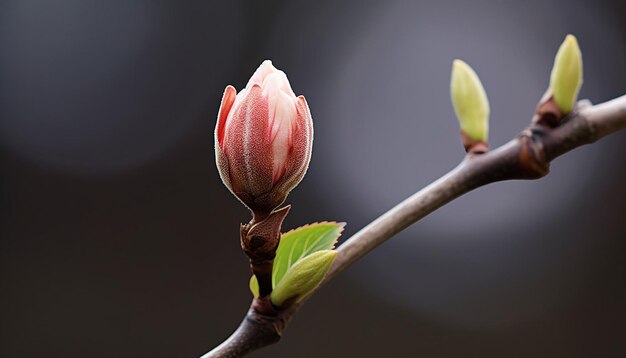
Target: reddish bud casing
263	139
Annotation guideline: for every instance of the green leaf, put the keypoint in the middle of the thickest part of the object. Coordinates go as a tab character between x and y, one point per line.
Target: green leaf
299	243
302	242
254	286
303	276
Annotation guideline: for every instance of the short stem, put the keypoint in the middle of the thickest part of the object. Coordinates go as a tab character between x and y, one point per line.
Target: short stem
259	241
263	272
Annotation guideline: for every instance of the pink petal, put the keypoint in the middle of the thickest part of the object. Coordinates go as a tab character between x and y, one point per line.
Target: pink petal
230	93
249	150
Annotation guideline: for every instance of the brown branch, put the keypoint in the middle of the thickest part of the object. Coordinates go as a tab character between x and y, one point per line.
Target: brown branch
528	156
262	326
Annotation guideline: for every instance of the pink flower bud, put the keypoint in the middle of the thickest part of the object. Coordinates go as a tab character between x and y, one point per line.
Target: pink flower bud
263	139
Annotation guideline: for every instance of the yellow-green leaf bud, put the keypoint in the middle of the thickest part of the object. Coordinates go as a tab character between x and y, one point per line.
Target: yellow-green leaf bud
567	74
470	101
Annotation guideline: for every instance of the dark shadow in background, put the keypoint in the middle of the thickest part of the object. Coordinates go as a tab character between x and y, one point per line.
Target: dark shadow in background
117	238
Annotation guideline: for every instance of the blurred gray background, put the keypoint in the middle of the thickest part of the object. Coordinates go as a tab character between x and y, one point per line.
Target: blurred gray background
117	238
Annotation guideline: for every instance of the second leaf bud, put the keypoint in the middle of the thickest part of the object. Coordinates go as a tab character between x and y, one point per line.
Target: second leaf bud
567	74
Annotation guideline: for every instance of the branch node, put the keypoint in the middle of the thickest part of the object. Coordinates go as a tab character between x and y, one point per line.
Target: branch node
532	159
473	146
262	311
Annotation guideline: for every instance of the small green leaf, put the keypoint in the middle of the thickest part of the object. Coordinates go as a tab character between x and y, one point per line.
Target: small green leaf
567	74
470	101
303	276
254	286
299	243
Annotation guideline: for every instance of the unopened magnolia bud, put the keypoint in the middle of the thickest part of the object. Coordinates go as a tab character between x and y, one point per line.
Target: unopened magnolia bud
567	74
470	101
263	139
303	277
